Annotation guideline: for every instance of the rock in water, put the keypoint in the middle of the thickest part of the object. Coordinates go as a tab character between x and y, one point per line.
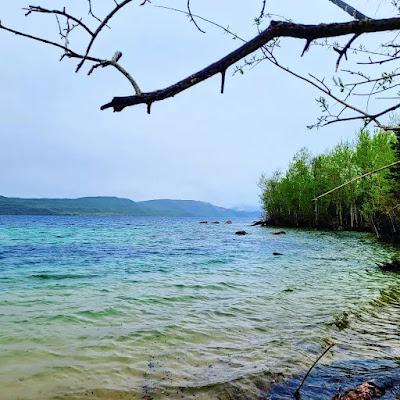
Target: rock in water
279	233
228	222
392	266
241	233
256	223
366	391
277	254
203	222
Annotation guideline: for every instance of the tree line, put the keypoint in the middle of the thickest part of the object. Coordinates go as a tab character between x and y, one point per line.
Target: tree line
371	203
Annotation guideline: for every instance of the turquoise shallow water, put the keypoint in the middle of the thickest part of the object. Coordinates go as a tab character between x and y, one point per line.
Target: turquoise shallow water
109	307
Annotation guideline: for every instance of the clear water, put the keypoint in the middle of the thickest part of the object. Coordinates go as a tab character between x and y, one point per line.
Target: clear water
126	308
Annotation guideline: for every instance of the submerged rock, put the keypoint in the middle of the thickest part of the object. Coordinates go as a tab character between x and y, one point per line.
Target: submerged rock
228	222
215	222
366	391
241	233
279	233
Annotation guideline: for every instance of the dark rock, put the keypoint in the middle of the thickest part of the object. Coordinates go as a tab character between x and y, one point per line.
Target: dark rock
203	222
241	233
277	254
279	233
256	223
392	266
228	222
259	223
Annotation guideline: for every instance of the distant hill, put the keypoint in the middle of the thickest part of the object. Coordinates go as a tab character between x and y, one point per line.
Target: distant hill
116	206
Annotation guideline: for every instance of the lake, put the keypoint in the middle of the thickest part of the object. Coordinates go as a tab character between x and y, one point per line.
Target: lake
139	307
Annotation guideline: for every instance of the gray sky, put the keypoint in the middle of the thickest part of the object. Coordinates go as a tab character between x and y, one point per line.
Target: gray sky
200	145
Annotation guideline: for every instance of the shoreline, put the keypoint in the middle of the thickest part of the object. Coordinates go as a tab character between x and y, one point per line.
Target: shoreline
385	238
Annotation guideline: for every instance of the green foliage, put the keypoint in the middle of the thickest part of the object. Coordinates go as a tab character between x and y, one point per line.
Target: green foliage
288	197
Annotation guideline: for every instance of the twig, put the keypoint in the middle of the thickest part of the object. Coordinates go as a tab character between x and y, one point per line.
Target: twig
99	29
38	9
192	17
262	13
343	52
226	30
297	392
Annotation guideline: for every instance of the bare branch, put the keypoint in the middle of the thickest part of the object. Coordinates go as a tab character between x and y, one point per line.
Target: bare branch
349	9
72	54
38	9
38	39
275	30
114	63
343	52
104	23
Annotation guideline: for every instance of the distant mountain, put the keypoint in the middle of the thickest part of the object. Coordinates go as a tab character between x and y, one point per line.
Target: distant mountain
116	206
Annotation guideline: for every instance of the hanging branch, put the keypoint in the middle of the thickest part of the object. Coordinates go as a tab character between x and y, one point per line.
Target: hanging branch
276	29
265	41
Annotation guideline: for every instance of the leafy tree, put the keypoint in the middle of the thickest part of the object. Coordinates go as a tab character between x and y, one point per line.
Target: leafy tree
364	204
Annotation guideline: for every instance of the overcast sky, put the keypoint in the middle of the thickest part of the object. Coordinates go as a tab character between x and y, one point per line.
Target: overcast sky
200	145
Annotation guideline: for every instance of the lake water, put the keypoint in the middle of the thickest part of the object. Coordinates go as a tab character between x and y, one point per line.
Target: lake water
142	308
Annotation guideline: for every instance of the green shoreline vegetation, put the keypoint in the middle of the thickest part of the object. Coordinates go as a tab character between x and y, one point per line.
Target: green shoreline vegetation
368	204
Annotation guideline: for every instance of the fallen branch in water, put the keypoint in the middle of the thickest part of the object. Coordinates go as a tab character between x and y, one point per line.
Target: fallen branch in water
297	392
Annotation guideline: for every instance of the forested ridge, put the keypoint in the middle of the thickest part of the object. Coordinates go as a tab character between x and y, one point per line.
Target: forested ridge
371	203
115	206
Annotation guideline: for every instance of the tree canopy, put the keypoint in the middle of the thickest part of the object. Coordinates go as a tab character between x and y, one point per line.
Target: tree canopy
292	198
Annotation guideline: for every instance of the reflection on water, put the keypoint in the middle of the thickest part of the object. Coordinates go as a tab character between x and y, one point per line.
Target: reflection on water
130	308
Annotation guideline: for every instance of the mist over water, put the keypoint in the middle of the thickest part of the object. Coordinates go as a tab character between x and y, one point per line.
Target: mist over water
107	307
